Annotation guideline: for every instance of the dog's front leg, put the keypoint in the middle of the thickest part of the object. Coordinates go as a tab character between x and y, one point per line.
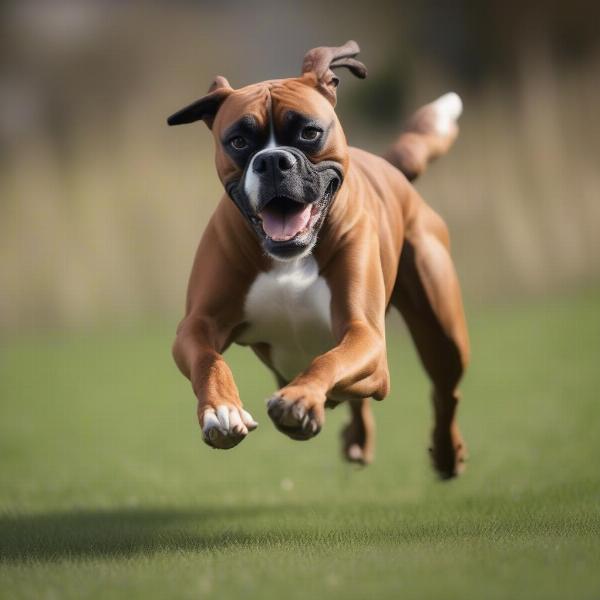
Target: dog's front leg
223	420
357	366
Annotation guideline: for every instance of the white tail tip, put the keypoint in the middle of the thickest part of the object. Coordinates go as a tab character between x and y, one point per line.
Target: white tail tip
448	109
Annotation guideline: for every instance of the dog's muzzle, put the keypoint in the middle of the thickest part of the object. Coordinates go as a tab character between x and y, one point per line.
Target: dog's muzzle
286	198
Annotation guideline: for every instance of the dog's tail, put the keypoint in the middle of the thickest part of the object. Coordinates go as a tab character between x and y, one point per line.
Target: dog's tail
428	134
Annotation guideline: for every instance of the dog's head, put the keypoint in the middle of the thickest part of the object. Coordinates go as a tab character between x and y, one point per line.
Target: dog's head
281	153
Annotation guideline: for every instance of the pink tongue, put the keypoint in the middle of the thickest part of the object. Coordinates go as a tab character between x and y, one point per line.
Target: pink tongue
282	227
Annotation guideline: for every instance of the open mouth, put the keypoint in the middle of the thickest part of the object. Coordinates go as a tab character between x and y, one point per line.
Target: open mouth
284	219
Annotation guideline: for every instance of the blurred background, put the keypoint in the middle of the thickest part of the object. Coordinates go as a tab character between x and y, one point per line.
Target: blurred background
102	205
106	488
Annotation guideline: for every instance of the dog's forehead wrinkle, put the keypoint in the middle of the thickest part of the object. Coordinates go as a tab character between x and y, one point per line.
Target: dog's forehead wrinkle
247	123
295	115
249	100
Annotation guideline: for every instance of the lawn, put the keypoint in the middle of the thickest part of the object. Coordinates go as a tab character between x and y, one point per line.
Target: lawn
107	491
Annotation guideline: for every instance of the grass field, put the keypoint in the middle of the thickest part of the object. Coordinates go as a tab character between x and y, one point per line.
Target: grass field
106	490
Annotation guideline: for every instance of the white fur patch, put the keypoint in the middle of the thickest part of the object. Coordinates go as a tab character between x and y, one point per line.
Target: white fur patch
448	109
289	308
252	180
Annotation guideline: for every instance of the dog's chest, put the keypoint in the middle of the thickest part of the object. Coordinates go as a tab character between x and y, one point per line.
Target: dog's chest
288	308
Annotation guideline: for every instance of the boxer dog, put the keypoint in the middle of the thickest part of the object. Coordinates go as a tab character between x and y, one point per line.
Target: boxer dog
309	247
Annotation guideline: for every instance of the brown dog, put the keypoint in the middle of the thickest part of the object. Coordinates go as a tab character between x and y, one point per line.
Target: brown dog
307	250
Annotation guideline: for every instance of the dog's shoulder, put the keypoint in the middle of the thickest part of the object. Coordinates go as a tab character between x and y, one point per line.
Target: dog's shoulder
378	182
376	169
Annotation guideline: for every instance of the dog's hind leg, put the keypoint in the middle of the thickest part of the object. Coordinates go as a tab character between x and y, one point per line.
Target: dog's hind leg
358	436
427	294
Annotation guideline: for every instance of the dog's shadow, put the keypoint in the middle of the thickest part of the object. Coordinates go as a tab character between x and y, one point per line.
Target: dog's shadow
127	532
123	532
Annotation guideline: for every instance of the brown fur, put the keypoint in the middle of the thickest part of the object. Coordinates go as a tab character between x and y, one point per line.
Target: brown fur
380	246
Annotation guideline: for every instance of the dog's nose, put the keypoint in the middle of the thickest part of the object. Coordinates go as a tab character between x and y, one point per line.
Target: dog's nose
275	161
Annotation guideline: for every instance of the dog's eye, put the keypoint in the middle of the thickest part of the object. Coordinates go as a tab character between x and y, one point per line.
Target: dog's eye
238	142
310	134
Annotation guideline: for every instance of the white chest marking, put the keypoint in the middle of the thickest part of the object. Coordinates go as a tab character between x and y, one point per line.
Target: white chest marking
288	308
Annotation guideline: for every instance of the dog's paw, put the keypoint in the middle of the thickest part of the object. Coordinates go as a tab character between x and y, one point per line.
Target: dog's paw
448	452
297	411
226	426
357	444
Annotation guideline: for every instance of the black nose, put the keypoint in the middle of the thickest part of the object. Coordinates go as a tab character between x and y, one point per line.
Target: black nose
275	161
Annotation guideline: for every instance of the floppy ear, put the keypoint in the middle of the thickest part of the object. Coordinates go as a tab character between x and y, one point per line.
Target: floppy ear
321	62
206	107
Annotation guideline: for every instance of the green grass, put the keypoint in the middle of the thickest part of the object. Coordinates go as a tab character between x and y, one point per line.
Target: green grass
106	490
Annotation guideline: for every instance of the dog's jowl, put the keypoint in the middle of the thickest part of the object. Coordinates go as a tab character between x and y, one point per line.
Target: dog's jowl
311	244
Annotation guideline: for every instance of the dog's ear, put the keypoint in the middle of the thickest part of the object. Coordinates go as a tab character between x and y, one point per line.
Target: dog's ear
206	107
321	61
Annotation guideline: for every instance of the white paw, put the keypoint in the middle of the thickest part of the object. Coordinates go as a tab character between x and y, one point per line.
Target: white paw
355	453
226	427
448	109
